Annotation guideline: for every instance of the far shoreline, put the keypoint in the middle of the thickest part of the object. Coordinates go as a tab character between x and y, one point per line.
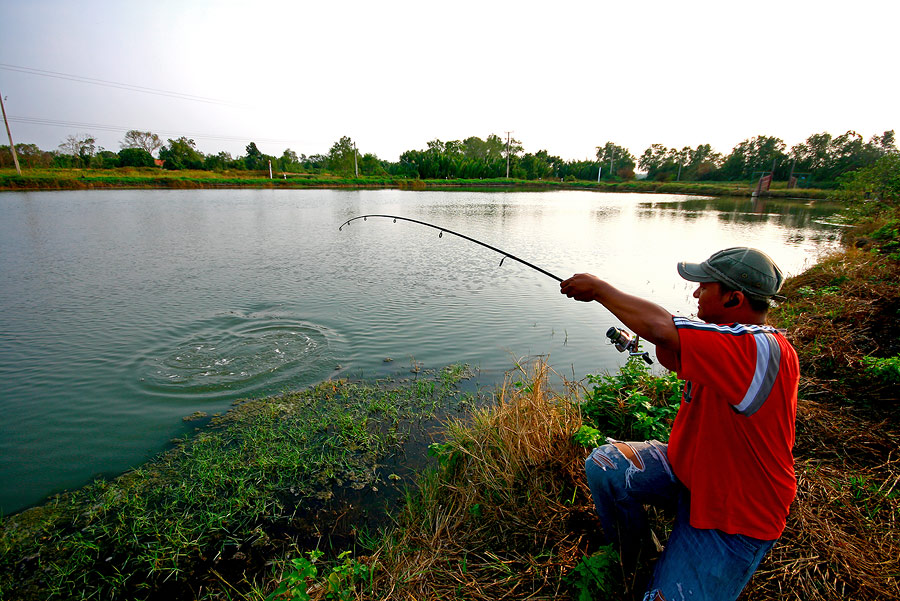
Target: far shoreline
154	179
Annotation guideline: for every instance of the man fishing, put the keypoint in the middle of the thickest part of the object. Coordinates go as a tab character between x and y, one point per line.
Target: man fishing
728	466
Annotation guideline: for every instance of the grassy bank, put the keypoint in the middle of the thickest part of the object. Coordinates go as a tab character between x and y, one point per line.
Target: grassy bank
267	480
153	178
243	509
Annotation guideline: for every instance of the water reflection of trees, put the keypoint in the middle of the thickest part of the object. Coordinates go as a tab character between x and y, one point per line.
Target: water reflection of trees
792	214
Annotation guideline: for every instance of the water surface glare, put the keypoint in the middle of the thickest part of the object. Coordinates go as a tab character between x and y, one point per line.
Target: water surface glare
121	312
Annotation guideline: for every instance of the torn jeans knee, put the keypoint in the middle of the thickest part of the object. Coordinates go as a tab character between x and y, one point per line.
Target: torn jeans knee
644	466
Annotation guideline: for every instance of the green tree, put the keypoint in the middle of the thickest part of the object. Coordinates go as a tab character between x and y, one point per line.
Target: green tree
221	161
849	152
29	155
181	154
579	170
492	148
255	160
105	159
81	146
885	143
289	161
427	164
369	164
827	157
880	180
144	140
754	155
660	163
403	167
341	157
135	157
471	158
813	155
616	161
316	163
540	165
702	163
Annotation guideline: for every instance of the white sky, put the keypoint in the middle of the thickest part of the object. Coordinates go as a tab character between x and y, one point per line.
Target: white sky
565	76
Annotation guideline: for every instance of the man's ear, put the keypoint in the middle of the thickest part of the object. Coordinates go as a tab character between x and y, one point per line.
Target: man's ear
734	301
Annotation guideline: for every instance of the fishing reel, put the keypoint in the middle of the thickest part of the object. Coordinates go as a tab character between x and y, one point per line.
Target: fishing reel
625	341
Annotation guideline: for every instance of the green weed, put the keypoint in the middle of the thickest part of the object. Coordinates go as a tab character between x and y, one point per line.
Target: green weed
633	404
886	369
340	584
809	292
588	437
595	576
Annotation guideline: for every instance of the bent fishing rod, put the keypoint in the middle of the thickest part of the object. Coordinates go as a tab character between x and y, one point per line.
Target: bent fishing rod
622	339
463	236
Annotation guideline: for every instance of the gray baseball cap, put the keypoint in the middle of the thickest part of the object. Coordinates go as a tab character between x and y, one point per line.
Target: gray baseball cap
746	269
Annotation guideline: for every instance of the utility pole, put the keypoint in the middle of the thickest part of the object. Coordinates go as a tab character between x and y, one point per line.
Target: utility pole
355	162
611	157
12	146
507	154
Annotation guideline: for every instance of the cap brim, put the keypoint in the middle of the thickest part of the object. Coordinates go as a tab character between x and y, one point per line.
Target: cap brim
694	272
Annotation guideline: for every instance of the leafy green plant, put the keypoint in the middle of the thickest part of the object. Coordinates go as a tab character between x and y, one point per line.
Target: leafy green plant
633	404
888	231
340	584
884	368
447	454
594	576
809	292
295	582
588	437
889	236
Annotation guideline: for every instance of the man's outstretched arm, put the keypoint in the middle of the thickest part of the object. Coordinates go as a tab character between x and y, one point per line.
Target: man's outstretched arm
646	319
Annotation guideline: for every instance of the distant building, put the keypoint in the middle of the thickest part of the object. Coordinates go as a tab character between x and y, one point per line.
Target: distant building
159	163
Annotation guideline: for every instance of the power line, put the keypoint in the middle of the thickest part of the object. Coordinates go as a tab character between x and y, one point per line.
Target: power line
117	128
119	85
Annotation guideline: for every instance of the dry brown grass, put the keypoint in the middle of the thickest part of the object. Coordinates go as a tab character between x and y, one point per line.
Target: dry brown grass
843	537
841	310
498	519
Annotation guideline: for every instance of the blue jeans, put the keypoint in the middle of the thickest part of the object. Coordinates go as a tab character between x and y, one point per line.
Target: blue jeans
696	564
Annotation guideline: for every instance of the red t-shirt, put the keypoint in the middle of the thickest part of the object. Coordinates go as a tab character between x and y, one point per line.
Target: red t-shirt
732	440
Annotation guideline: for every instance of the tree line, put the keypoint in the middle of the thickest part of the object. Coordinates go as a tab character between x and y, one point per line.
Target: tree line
821	159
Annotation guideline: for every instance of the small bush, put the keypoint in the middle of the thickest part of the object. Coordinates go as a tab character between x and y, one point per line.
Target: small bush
886	369
595	577
633	404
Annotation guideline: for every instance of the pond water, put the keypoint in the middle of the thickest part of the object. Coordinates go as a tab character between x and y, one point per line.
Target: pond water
121	312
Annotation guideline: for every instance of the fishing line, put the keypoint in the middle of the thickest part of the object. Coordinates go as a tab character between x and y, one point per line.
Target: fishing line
463	236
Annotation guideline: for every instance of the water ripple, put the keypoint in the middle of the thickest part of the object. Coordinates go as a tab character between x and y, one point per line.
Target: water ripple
237	354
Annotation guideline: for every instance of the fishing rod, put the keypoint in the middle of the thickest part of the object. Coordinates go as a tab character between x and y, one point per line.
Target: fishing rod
622	339
463	236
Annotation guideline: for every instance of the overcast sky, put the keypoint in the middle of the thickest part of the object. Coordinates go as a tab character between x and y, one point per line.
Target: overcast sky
565	76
